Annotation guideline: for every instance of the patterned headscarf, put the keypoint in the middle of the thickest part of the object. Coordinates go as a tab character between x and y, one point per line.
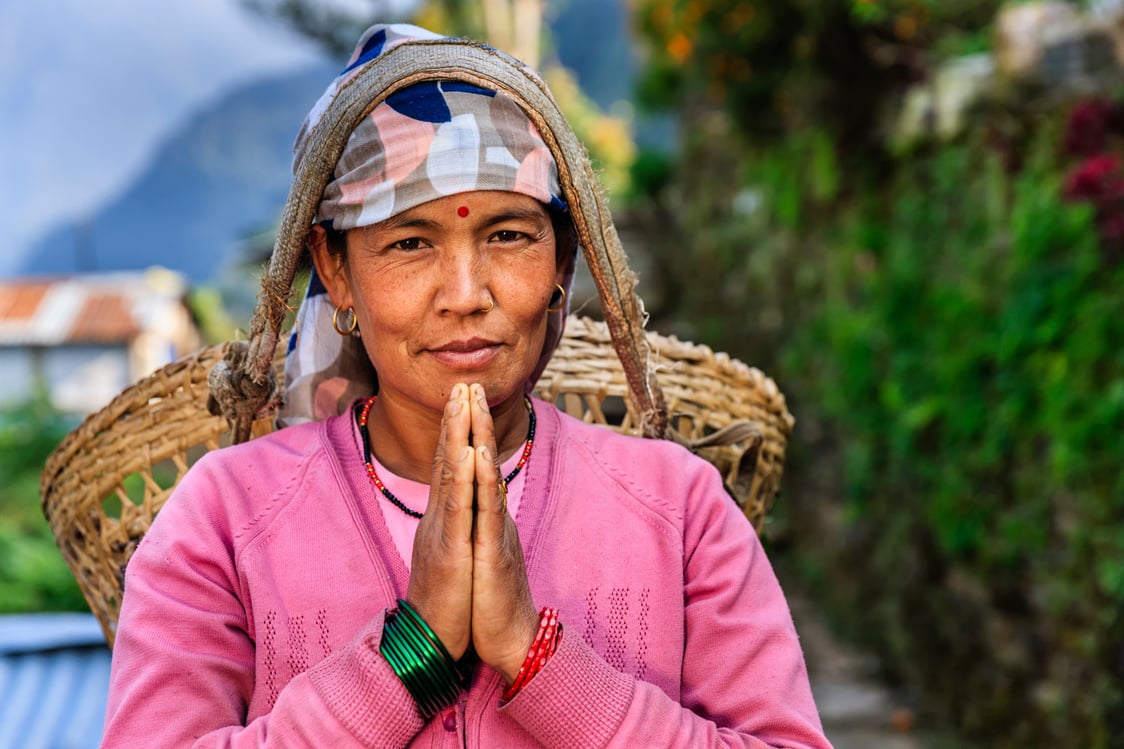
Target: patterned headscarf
423	142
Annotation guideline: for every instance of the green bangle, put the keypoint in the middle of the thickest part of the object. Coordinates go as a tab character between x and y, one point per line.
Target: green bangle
432	637
410	666
420	660
428	640
439	678
404	664
436	683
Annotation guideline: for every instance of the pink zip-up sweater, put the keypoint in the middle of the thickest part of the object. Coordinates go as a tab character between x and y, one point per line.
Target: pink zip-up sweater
253	608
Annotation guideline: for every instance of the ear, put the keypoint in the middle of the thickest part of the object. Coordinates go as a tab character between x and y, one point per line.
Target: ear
330	266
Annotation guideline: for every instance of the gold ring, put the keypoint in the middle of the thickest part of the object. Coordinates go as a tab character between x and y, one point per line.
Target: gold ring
502	488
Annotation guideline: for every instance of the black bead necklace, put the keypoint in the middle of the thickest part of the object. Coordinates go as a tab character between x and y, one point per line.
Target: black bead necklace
368	455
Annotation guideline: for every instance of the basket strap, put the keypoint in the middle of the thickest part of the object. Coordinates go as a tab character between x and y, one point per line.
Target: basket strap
244	389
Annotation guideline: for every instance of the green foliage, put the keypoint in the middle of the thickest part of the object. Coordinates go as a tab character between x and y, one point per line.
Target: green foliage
948	332
33	575
206	305
972	361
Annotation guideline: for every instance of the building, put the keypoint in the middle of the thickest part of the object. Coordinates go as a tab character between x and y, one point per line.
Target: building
85	338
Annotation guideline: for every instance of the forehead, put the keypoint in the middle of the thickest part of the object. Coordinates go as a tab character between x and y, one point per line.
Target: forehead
476	205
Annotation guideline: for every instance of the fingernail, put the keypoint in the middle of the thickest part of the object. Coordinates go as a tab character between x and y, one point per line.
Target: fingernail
485	453
455	393
466	453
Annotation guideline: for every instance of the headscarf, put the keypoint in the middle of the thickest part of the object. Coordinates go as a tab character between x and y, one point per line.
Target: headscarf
423	142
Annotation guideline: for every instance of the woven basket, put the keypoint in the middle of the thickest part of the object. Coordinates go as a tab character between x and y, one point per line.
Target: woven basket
106	481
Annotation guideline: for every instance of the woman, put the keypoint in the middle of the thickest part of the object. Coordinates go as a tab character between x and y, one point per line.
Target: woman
372	575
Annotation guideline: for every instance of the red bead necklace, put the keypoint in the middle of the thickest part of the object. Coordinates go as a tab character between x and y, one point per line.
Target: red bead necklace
368	456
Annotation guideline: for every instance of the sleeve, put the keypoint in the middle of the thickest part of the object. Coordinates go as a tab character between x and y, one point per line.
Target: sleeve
183	660
744	682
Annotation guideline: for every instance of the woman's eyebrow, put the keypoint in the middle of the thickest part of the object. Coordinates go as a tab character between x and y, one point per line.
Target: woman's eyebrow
515	214
404	220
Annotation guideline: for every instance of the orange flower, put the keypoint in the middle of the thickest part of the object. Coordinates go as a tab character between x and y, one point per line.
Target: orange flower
679	47
905	27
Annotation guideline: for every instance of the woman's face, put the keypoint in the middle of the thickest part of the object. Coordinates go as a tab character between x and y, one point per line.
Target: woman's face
420	283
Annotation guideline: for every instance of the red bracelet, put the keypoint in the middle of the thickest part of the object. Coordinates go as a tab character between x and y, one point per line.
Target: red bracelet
542	647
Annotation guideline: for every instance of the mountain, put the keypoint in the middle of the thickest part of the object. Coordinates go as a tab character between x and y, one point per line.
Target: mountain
215	182
224	174
89	89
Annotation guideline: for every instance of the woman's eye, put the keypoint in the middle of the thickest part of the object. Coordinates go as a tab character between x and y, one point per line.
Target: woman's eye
413	243
507	235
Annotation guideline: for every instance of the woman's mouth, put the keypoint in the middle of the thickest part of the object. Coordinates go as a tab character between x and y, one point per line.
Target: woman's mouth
472	353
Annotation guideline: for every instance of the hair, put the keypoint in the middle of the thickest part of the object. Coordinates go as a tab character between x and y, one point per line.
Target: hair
336	240
565	237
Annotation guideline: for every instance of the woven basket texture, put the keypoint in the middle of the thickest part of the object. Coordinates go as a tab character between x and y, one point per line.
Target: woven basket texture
104	484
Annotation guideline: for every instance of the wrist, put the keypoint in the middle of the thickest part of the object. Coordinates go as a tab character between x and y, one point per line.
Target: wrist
523	632
542	647
420	660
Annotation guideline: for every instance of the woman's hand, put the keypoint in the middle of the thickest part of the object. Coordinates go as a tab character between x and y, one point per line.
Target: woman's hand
468	578
504	618
442	567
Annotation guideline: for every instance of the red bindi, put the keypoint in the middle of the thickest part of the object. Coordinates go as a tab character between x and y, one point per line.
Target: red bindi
462	211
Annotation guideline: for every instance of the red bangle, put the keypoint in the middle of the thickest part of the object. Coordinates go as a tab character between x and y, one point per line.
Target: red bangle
542	647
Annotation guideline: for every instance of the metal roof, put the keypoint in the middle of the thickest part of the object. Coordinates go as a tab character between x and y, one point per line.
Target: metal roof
99	308
54	678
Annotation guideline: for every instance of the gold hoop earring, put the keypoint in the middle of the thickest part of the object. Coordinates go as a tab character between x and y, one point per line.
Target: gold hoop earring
557	306
350	328
491	306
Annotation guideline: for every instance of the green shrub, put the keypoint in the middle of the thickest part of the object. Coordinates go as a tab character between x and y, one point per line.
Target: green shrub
969	356
949	333
33	575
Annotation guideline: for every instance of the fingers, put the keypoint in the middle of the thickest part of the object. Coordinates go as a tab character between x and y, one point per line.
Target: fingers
441	572
483	428
491	490
451	488
491	498
503	615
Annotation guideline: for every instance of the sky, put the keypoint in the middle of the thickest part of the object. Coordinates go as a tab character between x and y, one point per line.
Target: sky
89	89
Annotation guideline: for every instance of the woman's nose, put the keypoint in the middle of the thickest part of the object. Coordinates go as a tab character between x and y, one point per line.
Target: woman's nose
464	284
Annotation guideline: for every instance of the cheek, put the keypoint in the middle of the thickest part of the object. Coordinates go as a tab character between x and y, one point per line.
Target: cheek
388	314
532	279
527	302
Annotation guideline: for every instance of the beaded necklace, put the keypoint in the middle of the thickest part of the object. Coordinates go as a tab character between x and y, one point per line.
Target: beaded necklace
368	458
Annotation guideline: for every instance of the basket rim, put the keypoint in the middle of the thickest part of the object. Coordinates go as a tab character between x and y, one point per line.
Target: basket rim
664	348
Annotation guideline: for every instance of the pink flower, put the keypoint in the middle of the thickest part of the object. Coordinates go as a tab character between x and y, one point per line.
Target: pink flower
1097	178
1099	181
1090	124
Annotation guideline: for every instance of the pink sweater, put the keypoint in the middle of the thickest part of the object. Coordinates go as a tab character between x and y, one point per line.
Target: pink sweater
253	608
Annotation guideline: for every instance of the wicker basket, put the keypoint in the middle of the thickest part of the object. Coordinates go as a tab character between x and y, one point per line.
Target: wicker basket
106	481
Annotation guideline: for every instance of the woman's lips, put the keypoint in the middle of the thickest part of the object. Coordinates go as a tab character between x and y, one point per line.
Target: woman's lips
469	354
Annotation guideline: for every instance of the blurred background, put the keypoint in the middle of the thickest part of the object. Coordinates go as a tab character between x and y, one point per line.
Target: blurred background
909	213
